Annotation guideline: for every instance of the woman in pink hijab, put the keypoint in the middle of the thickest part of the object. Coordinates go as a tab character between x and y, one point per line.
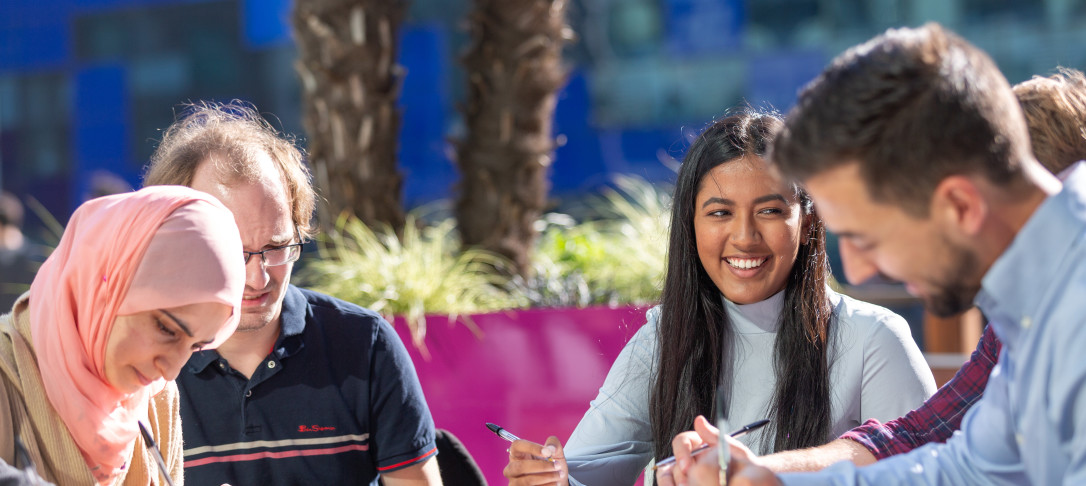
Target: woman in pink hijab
138	282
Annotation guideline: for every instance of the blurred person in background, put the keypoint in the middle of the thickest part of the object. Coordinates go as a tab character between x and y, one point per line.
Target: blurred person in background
16	263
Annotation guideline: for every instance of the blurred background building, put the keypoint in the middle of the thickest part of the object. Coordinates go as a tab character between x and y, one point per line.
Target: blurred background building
85	86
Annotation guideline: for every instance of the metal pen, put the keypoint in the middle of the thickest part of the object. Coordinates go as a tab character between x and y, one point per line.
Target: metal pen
744	430
505	434
150	441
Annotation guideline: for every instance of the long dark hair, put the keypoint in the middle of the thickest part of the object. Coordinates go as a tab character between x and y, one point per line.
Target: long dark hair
694	335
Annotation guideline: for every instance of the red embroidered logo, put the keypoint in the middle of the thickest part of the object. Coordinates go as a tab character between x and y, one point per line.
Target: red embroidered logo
314	428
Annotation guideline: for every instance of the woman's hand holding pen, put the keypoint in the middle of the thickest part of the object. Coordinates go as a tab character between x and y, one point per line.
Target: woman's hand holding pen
533	464
703	470
683	446
743	470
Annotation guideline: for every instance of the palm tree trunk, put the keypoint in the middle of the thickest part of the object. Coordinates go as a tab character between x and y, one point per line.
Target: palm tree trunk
514	68
350	79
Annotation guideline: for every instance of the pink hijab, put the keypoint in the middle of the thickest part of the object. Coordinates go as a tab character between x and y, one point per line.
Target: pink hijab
160	247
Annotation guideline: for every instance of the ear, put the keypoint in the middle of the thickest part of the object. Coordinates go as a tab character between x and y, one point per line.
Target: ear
957	202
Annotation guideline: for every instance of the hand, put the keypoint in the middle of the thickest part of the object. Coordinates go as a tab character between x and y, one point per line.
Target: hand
682	446
534	464
743	470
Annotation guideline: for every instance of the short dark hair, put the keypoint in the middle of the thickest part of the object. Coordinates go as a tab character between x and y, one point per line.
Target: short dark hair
1055	110
911	106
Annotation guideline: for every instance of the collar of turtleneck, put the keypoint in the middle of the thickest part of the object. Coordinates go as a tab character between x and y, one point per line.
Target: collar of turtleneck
759	317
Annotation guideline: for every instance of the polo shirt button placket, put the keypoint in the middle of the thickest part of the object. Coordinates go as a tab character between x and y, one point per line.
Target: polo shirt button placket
248	393
271	364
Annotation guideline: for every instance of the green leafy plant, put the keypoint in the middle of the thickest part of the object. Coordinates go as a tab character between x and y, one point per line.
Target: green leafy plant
617	258
424	272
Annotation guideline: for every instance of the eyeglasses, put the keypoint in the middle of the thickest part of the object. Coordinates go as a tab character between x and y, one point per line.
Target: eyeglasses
280	255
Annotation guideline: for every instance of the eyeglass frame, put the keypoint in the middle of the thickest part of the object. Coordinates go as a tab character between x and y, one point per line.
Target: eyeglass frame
264	259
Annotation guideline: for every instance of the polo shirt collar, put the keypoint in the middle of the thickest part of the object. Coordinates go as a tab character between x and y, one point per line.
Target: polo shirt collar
292	316
291	322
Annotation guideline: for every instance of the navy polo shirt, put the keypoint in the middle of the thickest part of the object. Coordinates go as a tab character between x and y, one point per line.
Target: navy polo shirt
336	402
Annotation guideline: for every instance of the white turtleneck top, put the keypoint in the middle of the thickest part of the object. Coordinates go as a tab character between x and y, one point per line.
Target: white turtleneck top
876	371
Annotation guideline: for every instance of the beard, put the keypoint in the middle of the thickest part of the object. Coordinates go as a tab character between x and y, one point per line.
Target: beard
255	321
959	285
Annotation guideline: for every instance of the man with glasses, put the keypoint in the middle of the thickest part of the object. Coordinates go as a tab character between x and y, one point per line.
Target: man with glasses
310	389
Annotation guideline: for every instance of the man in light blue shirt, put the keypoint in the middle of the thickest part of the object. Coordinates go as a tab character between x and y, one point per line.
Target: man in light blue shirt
916	154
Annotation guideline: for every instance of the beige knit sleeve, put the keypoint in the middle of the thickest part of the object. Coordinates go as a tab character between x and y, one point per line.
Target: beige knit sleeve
167	409
7	429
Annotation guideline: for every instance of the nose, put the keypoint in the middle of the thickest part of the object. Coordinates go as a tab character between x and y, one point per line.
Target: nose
858	267
256	274
746	231
170	362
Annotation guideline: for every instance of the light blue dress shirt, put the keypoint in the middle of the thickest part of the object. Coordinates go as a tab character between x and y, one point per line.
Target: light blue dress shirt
1030	426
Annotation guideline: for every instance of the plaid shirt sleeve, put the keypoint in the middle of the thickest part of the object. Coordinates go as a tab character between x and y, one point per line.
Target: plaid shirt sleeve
938	418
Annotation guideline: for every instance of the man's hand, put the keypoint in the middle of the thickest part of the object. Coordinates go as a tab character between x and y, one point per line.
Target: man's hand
533	464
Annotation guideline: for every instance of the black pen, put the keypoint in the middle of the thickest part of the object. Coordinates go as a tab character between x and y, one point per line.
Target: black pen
154	451
744	430
505	434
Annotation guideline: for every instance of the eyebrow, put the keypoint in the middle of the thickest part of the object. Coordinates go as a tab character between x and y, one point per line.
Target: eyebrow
758	200
177	321
278	241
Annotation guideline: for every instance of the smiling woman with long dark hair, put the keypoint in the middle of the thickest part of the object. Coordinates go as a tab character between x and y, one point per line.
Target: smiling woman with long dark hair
746	307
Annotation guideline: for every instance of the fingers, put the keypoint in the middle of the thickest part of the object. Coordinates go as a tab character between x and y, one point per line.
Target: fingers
706	431
742	471
535	464
524	449
704	471
665	476
739	450
683	447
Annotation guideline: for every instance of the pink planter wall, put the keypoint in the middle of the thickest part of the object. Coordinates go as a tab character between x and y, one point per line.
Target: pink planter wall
533	372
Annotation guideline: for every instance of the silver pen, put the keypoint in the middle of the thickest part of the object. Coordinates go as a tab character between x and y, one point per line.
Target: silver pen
150	441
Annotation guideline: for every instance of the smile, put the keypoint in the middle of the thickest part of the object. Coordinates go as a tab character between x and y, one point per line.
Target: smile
746	263
254	300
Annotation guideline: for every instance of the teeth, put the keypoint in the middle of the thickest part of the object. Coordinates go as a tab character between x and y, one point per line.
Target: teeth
745	263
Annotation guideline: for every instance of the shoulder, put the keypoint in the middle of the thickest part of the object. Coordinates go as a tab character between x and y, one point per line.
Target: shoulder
332	315
642	345
646	335
169	399
857	319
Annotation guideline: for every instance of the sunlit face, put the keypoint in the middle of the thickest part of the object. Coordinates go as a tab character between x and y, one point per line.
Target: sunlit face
147	347
262	212
748	225
876	237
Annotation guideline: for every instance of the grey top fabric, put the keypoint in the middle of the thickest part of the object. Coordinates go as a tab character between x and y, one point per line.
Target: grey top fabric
876	371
